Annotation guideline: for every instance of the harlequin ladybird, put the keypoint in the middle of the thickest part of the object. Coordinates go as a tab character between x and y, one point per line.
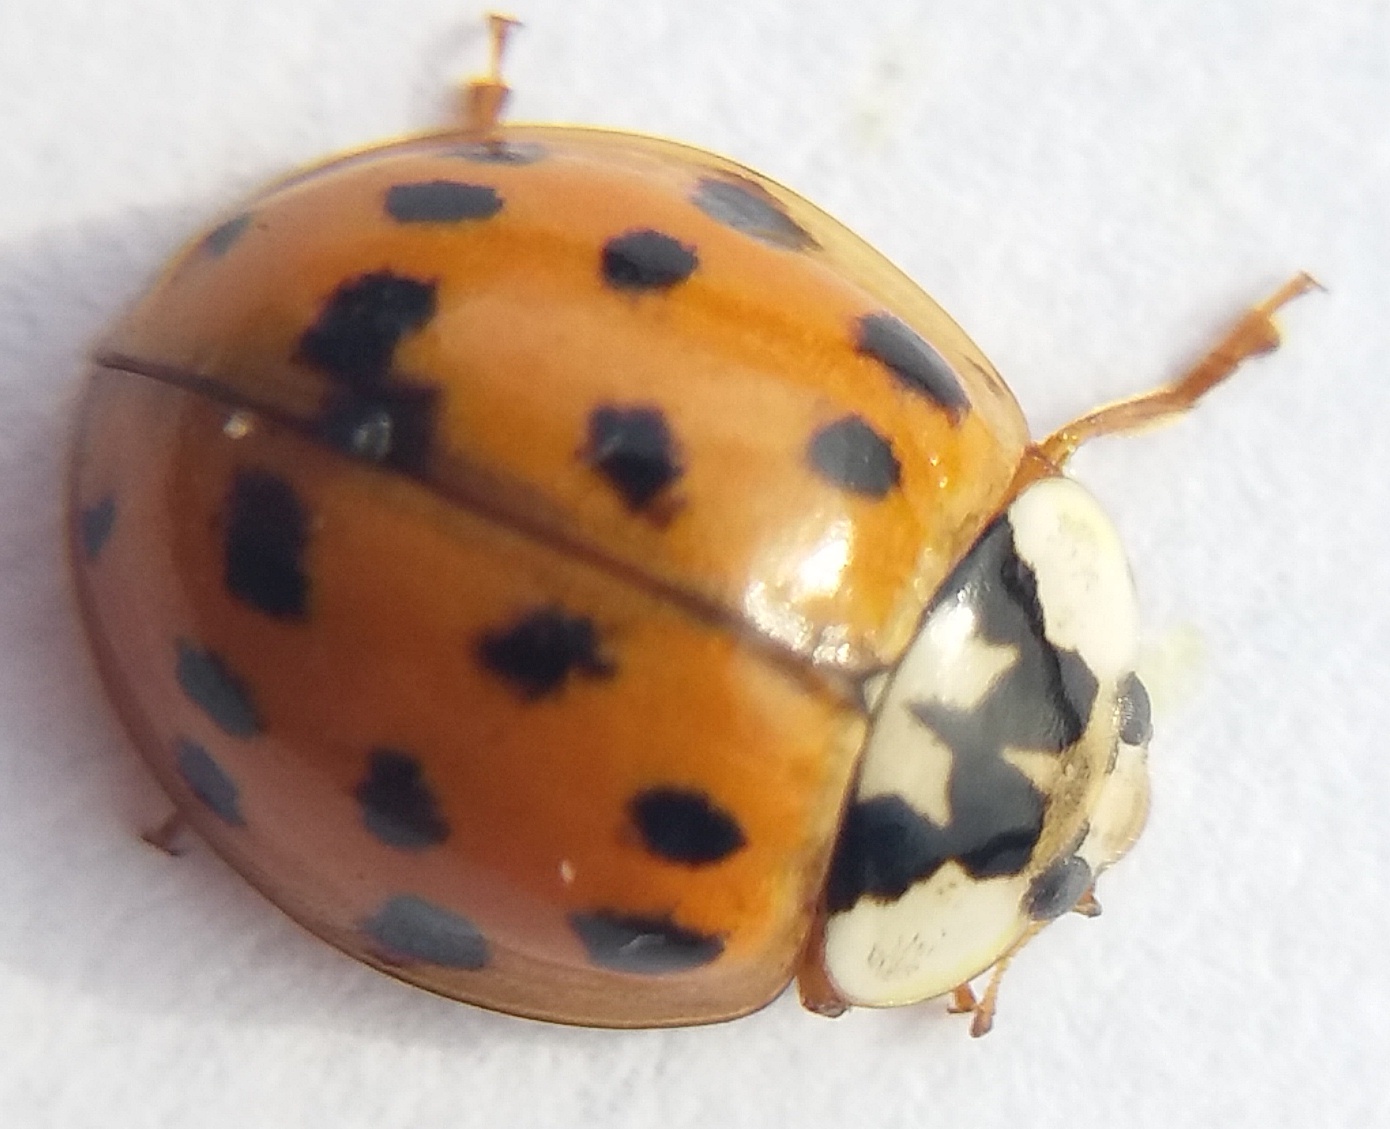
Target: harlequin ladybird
568	571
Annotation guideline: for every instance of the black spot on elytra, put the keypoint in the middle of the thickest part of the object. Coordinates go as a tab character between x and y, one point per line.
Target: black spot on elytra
374	413
650	946
265	536
633	448
209	781
354	338
853	456
94	525
749	208
499	152
392	425
912	360
441	201
219	240
398	806
410	929
1041	702
647	260
211	686
684	826
537	652
1058	888
1136	715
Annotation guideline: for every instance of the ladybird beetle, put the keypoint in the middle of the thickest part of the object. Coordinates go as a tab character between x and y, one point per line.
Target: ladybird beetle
568	571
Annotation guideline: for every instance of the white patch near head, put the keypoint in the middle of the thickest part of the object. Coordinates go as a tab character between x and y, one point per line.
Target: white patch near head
939	934
1120	811
888	949
1084	582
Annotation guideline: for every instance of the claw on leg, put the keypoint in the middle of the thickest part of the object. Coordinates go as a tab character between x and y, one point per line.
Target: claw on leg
1253	334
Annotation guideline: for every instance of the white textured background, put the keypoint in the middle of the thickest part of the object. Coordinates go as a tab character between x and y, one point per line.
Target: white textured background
1092	187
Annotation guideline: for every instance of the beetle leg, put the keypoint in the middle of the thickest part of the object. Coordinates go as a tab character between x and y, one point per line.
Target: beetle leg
167	835
1086	905
981	1009
485	96
1254	334
812	984
963	1001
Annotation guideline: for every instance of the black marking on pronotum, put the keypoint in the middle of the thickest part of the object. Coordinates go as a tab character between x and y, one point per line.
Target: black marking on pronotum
209	781
211	686
1136	715
441	201
266	533
853	456
1058	888
94	525
751	209
633	448
649	946
537	652
411	929
912	360
682	825
354	338
499	152
398	805
391	425
1041	703
647	260
219	240
885	846
1043	700
996	811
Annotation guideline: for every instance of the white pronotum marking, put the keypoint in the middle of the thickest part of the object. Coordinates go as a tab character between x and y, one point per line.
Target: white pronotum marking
948	927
